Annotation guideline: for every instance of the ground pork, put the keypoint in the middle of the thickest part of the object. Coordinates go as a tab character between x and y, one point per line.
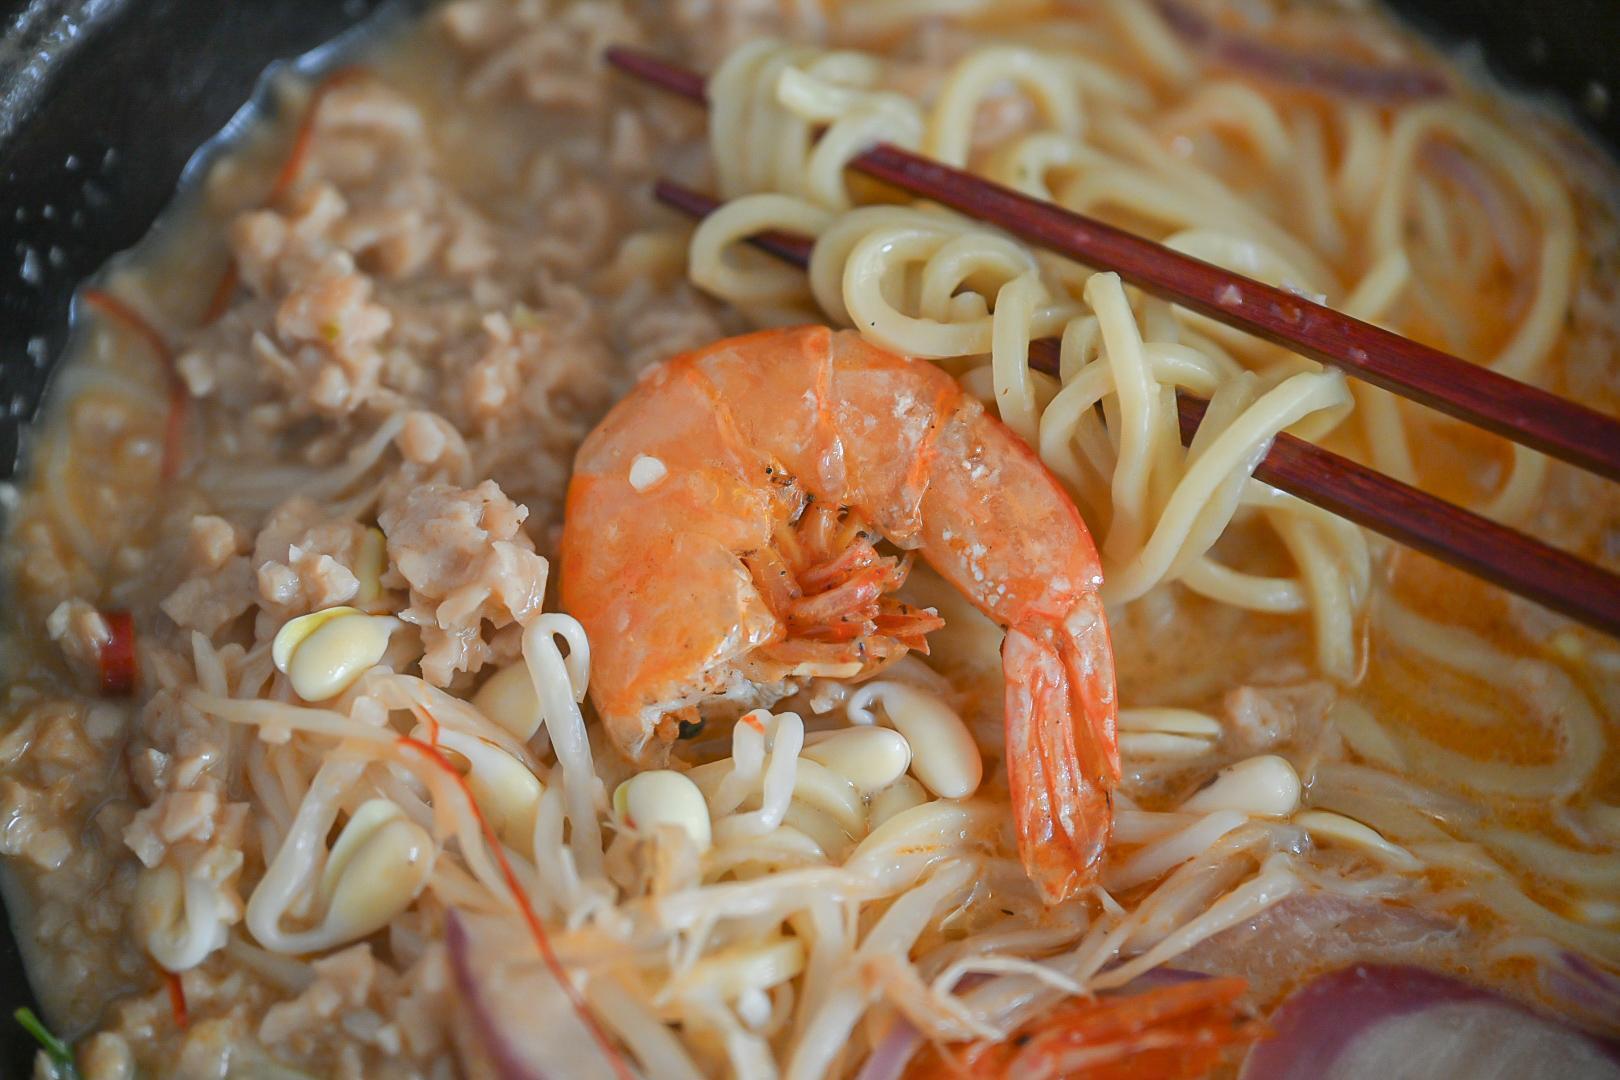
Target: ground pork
466	562
342	982
81	632
328	330
190	831
1263	718
304	561
62	810
422	310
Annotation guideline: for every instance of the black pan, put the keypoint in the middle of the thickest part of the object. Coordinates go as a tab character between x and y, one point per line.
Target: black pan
103	102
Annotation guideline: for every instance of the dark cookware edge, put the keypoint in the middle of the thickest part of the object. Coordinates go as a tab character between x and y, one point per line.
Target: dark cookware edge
99	118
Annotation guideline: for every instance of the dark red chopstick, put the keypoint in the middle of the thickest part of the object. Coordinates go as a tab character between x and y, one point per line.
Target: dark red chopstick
785	246
1503	556
1506	557
1507	407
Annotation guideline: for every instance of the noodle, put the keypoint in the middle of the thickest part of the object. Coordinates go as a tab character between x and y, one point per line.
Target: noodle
977	293
444	846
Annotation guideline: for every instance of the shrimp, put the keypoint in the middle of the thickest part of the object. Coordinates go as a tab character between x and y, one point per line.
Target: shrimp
719	545
1169	1033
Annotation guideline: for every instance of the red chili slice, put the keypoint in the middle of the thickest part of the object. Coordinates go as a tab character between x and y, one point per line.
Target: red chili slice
116	657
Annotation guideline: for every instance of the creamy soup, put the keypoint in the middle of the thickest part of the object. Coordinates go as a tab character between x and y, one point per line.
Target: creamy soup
379	703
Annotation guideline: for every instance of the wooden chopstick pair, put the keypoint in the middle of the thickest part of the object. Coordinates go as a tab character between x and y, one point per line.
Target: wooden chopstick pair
1515	410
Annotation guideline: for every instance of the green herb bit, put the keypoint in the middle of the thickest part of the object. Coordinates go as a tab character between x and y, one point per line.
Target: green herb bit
59	1052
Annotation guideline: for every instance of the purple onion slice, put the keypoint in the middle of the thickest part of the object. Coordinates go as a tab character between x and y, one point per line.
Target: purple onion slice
1367	81
1390	1022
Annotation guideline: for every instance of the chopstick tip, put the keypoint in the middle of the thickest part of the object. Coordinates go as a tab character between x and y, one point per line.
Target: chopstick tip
643	65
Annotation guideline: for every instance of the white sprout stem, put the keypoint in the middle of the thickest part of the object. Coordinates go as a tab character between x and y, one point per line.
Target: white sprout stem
300	857
827	1032
560	714
1241	904
785	734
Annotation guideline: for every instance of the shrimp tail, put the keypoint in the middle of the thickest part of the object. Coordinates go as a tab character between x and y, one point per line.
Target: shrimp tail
1062	747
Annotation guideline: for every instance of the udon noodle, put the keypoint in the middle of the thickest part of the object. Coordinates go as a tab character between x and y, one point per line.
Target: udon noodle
1318	732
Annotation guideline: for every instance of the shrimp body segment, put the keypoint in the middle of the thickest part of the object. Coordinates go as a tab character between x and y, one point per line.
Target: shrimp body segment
720	543
1175	1032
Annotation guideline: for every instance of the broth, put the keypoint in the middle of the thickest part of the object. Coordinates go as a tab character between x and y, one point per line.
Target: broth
468	270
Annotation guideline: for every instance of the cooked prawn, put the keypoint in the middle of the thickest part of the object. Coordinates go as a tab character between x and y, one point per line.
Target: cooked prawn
1174	1032
720	543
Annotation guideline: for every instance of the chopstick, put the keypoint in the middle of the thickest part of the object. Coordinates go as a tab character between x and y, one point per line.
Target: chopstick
1475	544
1518	411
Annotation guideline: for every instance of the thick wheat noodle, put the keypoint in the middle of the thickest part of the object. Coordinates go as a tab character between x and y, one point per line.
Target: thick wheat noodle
806	916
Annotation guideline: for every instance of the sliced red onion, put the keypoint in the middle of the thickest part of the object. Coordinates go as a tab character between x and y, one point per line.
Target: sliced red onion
482	1042
1333	931
1587	992
889	1058
1379	83
1392	1021
514	1020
